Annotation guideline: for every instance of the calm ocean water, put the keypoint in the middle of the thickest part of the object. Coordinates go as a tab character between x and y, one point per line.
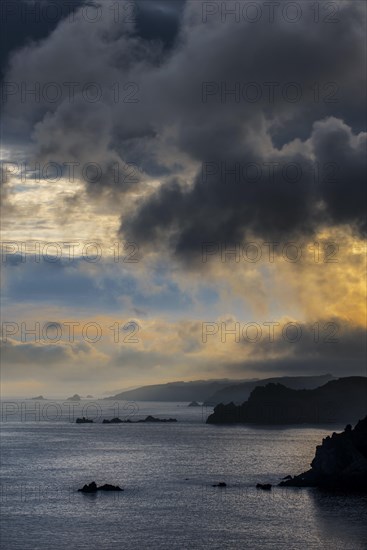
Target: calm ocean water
167	471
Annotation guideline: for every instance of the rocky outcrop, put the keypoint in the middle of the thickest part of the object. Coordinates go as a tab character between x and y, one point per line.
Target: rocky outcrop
340	462
343	400
147	419
92	488
193	404
153	419
74	397
113	421
83	420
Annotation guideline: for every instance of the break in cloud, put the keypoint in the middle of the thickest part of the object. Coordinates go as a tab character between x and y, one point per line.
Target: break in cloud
187	76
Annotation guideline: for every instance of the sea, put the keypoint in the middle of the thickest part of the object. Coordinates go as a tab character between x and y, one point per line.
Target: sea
167	471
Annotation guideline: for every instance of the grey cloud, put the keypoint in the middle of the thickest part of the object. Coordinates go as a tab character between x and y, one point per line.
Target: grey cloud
330	339
219	211
171	119
31	353
22	24
346	356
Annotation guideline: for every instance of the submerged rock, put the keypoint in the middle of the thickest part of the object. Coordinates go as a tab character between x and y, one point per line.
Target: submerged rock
220	484
340	462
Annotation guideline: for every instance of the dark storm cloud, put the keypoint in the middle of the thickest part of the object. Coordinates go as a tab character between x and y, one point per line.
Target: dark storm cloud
22	24
173	119
214	210
27	20
345	194
159	20
111	131
218	130
236	132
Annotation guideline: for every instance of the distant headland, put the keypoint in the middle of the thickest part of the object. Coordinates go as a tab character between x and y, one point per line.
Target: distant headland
342	400
212	392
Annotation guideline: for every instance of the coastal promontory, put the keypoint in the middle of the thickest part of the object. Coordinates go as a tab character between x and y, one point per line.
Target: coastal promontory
340	462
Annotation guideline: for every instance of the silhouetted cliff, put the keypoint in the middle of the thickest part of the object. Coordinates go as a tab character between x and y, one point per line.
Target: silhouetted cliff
340	462
343	400
238	393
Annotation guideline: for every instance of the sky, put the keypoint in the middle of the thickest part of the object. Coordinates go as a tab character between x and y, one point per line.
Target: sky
183	192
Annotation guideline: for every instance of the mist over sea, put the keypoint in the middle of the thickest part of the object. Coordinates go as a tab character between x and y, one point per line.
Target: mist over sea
167	472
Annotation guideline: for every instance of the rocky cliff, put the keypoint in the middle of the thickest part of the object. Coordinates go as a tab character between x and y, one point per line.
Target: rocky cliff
343	400
340	462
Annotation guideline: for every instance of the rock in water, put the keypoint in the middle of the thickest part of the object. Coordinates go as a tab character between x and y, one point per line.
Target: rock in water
151	418
113	421
74	397
91	488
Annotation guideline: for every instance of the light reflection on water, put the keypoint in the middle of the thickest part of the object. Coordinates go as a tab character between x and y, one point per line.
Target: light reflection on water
167	471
